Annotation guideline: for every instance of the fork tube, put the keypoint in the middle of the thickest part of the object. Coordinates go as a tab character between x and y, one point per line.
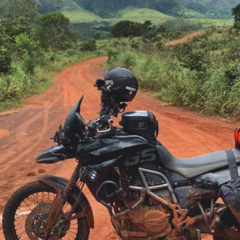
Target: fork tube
59	202
71	184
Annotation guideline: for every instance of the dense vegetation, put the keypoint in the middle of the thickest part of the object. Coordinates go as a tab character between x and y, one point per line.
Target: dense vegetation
202	74
32	48
135	29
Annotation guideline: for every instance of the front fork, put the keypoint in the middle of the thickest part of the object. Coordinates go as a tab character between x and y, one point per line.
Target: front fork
59	202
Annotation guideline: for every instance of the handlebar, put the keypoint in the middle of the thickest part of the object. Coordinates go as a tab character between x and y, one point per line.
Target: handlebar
105	121
102	124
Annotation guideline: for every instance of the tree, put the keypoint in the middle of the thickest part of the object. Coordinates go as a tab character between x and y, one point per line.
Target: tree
236	14
132	29
14	9
14	27
125	29
89	46
5	53
53	31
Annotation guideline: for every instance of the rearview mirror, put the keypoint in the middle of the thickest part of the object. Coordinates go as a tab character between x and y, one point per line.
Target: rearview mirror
99	84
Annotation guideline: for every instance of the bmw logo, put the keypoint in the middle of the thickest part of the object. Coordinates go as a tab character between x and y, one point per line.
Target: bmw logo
93	176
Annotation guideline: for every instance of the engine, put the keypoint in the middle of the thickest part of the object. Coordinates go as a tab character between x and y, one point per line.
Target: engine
153	220
150	219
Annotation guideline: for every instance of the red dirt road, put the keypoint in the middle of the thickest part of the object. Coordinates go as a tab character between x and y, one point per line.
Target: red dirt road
184	39
25	133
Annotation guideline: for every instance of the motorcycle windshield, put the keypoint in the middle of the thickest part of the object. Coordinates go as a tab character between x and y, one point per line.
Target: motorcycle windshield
74	124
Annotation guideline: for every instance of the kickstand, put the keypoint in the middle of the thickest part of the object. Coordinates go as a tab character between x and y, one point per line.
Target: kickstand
195	234
199	237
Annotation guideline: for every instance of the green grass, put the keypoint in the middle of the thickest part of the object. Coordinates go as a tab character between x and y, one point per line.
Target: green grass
81	16
188	13
87	24
196	24
202	74
23	85
142	14
139	15
207	22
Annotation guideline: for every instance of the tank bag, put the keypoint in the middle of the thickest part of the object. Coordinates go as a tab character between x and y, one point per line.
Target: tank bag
230	192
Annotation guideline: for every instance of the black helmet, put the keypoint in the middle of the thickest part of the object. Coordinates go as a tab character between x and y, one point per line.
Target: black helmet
120	85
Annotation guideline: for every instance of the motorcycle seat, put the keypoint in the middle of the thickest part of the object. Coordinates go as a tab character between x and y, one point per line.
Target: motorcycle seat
192	167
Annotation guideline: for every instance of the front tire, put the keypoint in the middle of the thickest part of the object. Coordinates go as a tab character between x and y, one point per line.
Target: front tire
23	204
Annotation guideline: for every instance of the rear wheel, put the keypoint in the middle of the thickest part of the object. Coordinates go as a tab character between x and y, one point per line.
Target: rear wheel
27	210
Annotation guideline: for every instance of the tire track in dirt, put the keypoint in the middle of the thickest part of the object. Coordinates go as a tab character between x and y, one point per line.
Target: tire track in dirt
36	139
185	133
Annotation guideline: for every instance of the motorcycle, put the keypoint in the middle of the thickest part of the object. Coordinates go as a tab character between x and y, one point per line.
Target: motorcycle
149	193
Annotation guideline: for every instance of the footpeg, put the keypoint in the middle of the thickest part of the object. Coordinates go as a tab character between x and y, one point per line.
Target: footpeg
128	234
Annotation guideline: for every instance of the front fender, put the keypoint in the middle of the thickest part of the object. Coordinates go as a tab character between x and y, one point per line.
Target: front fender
60	183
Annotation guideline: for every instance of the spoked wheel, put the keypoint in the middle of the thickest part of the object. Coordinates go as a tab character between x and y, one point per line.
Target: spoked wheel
27	210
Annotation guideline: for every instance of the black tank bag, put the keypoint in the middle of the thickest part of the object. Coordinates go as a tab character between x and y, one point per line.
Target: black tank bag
230	192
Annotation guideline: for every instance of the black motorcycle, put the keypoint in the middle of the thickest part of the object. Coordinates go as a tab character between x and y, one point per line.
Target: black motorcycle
149	193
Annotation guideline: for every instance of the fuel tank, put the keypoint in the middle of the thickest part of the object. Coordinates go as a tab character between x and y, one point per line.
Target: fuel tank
108	146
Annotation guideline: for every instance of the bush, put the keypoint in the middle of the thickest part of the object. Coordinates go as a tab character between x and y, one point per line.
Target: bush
5	61
3	87
112	55
89	46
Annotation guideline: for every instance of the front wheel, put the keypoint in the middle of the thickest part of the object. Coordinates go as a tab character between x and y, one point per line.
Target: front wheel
27	210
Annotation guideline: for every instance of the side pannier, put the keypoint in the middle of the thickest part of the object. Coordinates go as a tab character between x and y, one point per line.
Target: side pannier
230	192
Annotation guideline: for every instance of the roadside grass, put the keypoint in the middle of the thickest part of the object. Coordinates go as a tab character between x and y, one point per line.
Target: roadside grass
19	85
202	74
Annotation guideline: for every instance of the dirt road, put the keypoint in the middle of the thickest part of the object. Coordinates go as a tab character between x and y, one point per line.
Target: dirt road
25	133
184	39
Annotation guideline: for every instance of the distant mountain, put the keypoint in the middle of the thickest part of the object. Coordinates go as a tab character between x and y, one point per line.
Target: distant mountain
218	8
109	8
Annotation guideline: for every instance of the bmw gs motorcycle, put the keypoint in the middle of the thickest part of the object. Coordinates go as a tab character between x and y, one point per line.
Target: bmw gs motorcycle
149	193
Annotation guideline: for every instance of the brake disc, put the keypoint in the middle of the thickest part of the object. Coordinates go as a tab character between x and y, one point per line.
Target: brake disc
35	220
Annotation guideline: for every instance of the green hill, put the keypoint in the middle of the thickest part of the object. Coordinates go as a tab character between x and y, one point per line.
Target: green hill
142	14
81	16
109	8
214	8
58	5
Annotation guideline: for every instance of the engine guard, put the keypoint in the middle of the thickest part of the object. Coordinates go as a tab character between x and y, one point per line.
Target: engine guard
60	183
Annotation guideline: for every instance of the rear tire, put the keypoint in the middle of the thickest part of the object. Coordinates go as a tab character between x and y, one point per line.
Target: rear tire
82	228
